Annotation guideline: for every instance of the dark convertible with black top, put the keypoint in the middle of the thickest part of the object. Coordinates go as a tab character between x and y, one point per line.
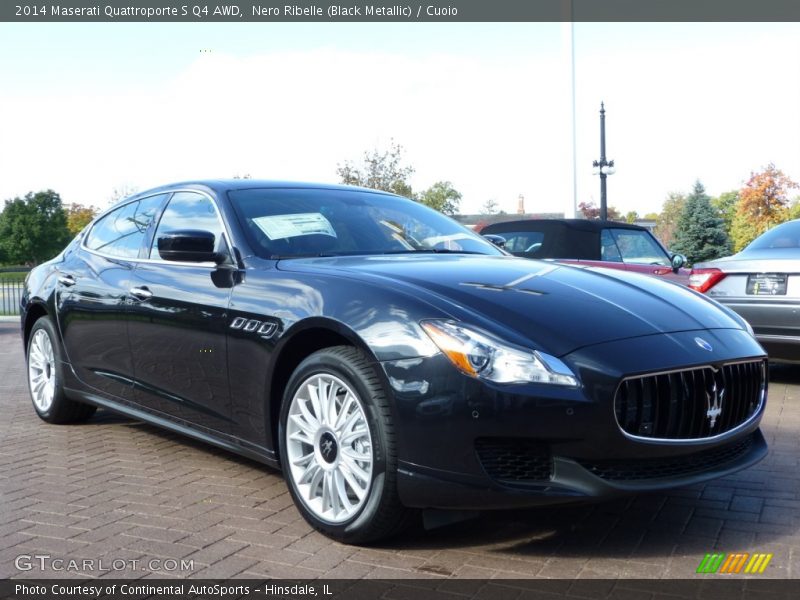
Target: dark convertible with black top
385	358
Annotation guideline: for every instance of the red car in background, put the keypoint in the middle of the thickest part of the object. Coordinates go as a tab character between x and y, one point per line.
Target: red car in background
592	243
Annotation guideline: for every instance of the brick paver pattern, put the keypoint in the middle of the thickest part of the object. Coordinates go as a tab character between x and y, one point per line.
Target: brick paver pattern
119	490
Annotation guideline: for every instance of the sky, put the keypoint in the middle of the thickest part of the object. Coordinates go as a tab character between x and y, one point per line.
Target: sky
87	109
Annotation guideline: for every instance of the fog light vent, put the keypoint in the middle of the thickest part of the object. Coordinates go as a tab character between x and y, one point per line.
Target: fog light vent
515	460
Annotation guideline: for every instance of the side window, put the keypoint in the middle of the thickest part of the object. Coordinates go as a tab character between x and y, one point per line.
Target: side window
187	210
121	232
637	246
608	247
525	242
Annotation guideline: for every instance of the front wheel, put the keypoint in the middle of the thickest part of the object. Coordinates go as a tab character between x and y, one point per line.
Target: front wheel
45	379
337	447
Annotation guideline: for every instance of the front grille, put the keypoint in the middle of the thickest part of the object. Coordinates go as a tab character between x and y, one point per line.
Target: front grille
514	460
674	466
690	404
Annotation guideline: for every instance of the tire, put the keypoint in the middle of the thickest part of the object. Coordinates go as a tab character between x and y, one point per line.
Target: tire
46	379
341	470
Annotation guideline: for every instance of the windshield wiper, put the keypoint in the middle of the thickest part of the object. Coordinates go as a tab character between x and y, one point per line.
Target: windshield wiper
446	251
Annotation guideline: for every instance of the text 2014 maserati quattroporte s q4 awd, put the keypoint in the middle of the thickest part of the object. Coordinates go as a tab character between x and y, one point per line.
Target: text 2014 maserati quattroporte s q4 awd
385	358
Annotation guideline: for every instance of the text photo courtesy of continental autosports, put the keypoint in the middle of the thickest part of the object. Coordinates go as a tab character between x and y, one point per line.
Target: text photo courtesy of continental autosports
364	293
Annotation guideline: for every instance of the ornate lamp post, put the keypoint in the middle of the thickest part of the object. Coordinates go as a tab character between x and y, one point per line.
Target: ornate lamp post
603	167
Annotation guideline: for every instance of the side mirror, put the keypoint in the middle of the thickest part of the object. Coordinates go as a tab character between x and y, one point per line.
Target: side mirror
678	260
497	240
188	245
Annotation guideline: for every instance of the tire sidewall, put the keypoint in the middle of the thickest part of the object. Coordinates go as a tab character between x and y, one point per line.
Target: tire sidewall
326	362
45	325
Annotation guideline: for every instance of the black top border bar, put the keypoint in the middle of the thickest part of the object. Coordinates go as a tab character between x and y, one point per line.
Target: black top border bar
453	11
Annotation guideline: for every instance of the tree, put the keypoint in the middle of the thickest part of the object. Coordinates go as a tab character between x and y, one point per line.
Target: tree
33	229
700	234
591	211
763	202
651	216
794	209
441	196
631	216
489	207
79	216
726	207
380	170
667	221
478	227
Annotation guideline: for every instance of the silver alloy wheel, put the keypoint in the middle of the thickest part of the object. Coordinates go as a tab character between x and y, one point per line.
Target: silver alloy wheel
42	371
329	448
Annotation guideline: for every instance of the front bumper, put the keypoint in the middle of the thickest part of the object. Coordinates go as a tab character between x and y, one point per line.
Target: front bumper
571	481
470	445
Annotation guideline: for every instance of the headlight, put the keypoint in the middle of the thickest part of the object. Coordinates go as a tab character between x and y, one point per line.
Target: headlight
483	356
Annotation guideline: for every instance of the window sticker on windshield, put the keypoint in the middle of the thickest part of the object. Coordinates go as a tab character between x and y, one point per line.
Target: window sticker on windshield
286	226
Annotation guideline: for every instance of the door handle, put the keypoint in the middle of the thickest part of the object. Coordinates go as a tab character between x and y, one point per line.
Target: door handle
66	280
142	293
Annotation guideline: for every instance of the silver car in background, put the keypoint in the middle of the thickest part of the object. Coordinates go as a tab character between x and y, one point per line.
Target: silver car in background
762	284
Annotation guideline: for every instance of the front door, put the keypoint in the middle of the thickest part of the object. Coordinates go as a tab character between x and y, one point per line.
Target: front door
178	324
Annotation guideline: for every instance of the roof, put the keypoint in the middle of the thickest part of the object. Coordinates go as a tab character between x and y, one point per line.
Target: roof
581	224
222	185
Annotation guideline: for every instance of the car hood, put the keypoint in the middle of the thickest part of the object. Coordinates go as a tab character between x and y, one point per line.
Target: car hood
555	307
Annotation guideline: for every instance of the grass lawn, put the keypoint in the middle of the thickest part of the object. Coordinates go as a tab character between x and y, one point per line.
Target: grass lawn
15	276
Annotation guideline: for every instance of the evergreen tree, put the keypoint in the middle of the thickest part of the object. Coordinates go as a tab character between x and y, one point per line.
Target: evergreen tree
700	235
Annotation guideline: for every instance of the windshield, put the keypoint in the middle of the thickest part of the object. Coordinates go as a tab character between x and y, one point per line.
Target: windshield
636	246
786	235
287	223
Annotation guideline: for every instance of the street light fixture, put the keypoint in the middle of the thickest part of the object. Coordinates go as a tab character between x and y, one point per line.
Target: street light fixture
603	167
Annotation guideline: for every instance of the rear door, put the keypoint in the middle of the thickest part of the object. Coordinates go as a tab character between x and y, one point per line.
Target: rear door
92	297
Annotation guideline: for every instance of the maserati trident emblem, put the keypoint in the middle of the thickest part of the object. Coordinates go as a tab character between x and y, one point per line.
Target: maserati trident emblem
714	398
703	344
327	446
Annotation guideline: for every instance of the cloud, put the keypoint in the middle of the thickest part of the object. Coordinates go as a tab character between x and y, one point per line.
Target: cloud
291	115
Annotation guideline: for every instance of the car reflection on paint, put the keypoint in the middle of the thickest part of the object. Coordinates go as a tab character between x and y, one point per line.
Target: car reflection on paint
591	243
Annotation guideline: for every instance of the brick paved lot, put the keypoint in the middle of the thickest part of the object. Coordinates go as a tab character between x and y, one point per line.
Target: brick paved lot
115	489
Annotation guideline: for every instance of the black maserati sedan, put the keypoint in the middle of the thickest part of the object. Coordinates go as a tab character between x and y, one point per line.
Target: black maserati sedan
385	358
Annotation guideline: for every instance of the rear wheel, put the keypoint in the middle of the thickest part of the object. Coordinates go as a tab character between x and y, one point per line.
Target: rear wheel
337	447
45	379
